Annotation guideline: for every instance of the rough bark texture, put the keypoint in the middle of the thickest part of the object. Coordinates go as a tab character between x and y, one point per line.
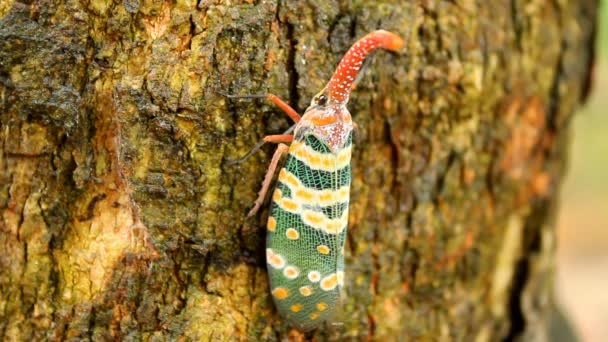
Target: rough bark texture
120	219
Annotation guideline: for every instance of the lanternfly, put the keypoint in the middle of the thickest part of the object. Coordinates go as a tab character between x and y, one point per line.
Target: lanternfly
308	219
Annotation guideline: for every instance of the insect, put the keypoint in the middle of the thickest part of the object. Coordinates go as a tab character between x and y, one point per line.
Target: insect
308	219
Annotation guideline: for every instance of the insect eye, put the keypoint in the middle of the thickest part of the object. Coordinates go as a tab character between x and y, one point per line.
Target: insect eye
322	99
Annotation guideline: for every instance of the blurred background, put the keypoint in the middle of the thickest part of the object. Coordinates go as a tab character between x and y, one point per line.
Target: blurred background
582	266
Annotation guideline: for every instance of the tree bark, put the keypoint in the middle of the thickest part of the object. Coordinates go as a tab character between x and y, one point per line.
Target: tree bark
121	221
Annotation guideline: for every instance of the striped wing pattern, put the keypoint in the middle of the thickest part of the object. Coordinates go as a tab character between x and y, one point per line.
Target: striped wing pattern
306	231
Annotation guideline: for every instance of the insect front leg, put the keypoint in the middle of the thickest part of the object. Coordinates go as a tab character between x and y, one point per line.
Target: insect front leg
279	138
286	137
281	149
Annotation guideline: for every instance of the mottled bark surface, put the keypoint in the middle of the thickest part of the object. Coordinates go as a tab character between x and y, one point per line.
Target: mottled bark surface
120	220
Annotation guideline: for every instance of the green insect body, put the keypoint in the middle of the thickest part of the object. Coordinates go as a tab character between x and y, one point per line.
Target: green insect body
307	229
308	219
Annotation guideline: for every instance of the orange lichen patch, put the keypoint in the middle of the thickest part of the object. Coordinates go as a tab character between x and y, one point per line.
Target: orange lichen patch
405	288
527	119
321	306
157	25
292	234
455	71
313	315
541	184
314	276
270	58
468	175
288	205
288	178
450	259
323	249
280	293
330	282
272	224
291	272
277	195
296	307
305	291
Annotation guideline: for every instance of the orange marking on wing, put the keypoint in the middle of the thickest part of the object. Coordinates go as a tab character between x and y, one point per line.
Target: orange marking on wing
343	158
305	194
288	204
311	160
291	272
272	224
276	195
342	195
288	178
277	261
314	276
330	282
334	226
292	234
313	217
280	293
323	249
326	196
305	291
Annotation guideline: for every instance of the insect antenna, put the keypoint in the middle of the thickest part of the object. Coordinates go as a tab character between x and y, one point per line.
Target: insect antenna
244	96
254	148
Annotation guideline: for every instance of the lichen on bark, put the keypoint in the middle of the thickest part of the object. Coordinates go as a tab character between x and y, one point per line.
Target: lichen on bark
121	220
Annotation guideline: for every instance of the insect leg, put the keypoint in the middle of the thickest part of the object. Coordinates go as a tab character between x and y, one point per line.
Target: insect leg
279	138
281	149
259	145
272	98
284	106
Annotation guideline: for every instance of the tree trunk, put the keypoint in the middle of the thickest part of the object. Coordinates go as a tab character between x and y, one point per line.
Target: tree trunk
121	220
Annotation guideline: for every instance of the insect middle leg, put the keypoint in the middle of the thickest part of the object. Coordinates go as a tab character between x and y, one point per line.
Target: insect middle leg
281	149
